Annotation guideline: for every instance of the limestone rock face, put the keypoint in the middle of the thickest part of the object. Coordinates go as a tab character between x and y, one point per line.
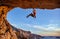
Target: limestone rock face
49	4
6	31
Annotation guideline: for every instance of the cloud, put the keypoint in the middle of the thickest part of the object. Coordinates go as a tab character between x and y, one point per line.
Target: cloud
50	30
53	27
49	27
50	34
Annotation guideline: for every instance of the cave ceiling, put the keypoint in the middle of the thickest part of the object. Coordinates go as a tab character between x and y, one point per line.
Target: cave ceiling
42	4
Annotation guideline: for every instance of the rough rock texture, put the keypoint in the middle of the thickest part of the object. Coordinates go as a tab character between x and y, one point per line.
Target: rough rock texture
7	31
49	4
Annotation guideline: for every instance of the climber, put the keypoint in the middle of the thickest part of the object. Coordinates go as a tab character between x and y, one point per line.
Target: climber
32	14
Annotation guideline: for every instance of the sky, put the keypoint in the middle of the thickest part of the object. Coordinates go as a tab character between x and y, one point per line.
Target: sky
46	23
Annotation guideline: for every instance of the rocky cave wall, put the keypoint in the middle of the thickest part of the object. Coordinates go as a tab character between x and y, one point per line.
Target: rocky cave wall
6	30
43	4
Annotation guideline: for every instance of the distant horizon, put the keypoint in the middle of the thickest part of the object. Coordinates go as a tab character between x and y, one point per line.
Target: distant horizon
47	22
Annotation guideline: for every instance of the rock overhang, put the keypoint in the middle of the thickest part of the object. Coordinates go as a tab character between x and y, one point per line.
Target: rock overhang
41	4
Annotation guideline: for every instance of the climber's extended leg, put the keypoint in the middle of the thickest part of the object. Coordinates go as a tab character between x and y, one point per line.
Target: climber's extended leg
29	15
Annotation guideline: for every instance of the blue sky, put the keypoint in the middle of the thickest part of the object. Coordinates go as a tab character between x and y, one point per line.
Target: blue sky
46	21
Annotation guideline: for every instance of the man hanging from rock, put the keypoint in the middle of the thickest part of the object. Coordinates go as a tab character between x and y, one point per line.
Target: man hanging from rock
32	14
